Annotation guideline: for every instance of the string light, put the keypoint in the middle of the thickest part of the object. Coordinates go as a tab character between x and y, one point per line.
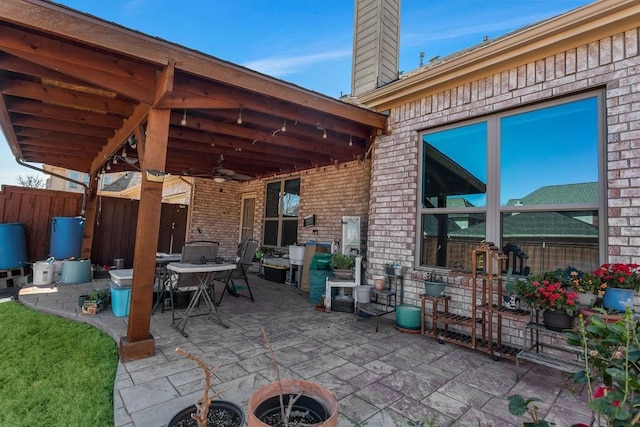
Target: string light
324	133
350	141
284	125
239	121
183	122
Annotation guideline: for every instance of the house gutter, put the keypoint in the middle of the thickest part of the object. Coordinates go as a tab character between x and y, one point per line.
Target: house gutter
84	186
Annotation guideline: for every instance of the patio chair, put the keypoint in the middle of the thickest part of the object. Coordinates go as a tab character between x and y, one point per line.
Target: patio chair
246	251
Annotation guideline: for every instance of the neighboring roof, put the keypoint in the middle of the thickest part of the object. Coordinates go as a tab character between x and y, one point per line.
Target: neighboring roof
560	194
125	181
76	88
549	225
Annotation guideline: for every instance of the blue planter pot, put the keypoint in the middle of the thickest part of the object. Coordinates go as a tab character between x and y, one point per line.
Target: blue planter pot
617	299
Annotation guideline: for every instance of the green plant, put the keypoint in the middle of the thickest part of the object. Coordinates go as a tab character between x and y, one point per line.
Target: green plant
546	292
611	357
518	406
432	276
342	262
98	294
622	276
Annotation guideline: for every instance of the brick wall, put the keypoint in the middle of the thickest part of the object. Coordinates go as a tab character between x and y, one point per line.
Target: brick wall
612	64
329	192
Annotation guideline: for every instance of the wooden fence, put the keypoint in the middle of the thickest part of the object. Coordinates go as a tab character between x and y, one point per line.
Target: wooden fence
116	220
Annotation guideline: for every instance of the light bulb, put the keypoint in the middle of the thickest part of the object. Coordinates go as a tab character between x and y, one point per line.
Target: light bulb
115	160
324	133
239	121
124	152
284	125
108	166
183	122
350	141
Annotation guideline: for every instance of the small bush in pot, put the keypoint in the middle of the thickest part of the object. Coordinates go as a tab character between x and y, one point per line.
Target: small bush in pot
433	283
343	265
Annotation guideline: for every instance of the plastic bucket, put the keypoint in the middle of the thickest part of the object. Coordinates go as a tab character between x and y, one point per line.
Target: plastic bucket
43	273
363	293
296	254
120	298
76	271
66	237
13	246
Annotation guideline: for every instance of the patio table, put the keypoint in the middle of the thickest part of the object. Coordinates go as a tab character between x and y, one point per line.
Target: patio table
205	273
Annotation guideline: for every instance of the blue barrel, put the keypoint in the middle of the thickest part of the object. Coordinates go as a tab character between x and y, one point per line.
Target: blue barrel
13	246
66	237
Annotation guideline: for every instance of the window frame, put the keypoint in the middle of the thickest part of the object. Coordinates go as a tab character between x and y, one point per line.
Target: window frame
493	210
281	218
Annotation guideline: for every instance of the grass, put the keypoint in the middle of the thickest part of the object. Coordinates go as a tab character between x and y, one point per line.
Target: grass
54	371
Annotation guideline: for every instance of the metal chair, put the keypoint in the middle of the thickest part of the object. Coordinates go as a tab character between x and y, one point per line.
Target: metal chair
246	251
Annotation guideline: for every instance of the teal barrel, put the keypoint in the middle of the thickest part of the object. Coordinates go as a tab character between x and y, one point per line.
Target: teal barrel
66	237
13	246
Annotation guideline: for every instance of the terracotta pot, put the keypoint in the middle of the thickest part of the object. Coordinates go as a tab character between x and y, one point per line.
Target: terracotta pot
317	393
607	318
379	283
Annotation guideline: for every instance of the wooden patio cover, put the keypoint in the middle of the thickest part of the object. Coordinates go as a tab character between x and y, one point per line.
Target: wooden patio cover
77	91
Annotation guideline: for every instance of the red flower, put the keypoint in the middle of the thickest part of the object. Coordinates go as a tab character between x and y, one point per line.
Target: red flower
601	391
616	403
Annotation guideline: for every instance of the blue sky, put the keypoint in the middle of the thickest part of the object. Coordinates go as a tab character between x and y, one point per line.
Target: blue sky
305	42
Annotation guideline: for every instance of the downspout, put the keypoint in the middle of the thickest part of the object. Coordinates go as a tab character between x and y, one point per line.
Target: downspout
84	186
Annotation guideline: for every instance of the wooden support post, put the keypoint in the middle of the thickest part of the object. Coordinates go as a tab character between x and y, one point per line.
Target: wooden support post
139	343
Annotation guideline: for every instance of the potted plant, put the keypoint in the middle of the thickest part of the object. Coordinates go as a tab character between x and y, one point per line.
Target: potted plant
611	357
518	406
433	284
207	412
290	402
546	292
95	302
343	265
587	286
620	282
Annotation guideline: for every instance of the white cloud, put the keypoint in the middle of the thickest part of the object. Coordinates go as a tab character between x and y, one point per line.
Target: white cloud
279	66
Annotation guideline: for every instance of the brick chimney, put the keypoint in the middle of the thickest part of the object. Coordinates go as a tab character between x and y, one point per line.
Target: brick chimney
376	44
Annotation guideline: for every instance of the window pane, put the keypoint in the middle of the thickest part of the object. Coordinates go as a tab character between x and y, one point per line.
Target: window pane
291	200
551	240
289	232
455	167
550	156
271	233
448	239
272	202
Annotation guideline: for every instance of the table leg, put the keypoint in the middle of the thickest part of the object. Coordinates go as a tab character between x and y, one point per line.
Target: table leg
202	292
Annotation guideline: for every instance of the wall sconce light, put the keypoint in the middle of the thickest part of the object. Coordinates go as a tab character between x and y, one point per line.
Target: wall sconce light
239	121
183	122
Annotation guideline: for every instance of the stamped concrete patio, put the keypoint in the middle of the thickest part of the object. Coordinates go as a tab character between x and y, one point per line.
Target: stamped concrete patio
380	379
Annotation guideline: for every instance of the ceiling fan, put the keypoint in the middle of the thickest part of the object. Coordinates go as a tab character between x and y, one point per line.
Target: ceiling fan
221	174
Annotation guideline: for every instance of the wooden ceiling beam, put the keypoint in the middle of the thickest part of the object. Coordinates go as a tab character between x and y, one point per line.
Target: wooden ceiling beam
105	70
61	126
20	66
59	137
56	112
44	144
66	97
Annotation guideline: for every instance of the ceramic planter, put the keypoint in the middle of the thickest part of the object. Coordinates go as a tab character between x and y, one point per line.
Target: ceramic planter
586	299
618	299
221	414
434	289
557	320
264	404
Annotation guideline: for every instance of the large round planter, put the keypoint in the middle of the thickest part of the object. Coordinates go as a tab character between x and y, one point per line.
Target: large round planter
264	403
408	317
434	289
557	320
617	299
221	414
586	299
607	318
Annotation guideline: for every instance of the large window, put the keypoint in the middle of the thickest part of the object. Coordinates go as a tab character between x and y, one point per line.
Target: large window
527	180
282	203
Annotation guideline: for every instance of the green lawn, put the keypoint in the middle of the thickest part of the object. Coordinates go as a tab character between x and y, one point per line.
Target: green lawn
54	371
